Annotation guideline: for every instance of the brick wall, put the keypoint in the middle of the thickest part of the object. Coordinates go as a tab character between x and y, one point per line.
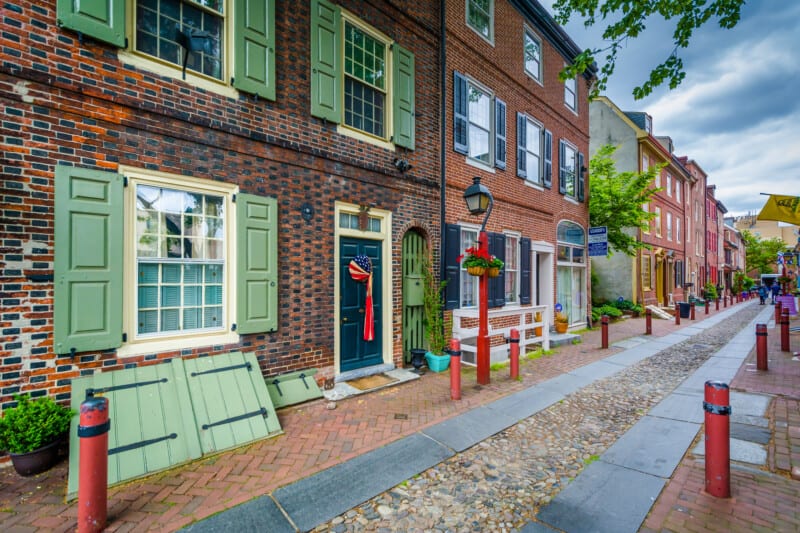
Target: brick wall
72	103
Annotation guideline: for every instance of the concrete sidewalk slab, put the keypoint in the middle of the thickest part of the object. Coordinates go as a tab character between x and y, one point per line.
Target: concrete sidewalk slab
526	403
321	497
687	407
466	430
740	450
605	498
653	445
261	514
597	370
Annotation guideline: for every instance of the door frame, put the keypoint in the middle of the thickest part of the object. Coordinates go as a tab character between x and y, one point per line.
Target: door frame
547	281
384	236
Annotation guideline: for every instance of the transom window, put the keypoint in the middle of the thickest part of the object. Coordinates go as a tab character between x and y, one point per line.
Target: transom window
480	124
158	23
533	55
480	17
533	151
571	93
180	256
364	81
351	221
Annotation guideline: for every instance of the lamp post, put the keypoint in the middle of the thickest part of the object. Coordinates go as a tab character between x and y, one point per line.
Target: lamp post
479	200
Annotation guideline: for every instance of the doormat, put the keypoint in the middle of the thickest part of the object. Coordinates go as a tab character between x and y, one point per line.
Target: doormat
371	382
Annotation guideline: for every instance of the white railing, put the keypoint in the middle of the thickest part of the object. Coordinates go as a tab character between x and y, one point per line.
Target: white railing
526	325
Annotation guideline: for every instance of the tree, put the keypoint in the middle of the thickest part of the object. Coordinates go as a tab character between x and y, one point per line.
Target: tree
761	254
617	199
630	18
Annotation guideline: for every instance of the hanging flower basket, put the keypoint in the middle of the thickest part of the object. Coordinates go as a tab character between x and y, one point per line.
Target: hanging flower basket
477	261
476	270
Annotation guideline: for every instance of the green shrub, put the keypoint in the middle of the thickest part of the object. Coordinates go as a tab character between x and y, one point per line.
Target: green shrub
710	291
33	424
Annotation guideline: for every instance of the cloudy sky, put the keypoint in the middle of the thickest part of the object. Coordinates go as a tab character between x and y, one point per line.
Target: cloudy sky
737	112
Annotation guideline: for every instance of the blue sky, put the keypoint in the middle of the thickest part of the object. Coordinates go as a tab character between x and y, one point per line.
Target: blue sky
737	112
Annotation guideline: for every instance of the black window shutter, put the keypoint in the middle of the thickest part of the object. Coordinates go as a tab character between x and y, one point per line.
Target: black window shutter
522	126
497	286
562	167
500	134
548	159
452	270
581	178
524	271
460	114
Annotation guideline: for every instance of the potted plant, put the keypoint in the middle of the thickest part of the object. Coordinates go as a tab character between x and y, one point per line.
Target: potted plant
494	267
32	433
433	320
561	322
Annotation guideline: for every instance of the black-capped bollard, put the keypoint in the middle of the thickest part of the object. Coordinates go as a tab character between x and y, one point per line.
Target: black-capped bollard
93	472
717	307
691	308
761	346
677	315
513	353
648	322
718	454
455	369
604	331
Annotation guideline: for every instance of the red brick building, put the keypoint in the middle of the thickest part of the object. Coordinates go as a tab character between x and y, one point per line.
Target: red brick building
715	213
695	226
512	123
184	179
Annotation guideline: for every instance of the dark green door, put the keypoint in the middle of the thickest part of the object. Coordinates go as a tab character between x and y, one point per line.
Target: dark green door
354	351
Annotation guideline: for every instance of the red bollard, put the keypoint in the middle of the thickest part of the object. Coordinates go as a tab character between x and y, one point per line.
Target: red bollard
604	331
93	472
513	353
691	307
717	308
718	453
724	301
707	305
455	369
648	322
761	346
777	313
677	315
785	329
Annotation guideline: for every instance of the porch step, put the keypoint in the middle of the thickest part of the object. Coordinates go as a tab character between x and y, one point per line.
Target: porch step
659	313
559	339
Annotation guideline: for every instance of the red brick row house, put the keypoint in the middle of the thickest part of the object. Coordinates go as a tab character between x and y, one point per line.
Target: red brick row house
184	179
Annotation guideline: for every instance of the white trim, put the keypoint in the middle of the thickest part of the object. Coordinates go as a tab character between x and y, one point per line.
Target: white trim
489	39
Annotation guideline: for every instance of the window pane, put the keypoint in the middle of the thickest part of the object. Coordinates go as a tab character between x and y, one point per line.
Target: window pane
480	112
532	55
479	144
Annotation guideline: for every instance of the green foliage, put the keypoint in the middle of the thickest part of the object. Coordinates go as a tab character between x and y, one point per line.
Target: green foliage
761	255
538	354
627	20
741	282
627	305
606	309
494	367
710	291
433	319
617	200
33	424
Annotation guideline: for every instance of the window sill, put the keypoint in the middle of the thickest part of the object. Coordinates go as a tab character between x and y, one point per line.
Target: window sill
533	185
478	164
355	134
176	343
131	58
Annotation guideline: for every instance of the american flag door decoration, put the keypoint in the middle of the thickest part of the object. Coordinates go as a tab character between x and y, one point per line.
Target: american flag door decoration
361	270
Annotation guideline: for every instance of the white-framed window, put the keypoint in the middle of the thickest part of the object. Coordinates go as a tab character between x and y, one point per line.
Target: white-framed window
534	140
469	283
648	124
678	188
657	221
669	184
678	228
669	226
480	17
646	209
511	268
479	109
646	271
532	54
571	93
365	80
688	228
569	165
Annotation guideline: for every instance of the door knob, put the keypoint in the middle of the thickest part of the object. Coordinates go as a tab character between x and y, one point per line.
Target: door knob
344	320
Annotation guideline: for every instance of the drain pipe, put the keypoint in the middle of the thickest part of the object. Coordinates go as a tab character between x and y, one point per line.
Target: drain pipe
443	136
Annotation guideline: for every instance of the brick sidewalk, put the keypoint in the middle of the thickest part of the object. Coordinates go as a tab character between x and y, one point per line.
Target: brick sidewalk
761	500
315	438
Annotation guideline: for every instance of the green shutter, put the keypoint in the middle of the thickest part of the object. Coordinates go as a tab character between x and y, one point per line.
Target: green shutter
103	20
88	260
254	37
326	61
257	264
403	96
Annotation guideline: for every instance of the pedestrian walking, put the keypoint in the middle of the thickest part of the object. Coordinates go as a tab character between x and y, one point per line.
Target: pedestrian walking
762	294
776	290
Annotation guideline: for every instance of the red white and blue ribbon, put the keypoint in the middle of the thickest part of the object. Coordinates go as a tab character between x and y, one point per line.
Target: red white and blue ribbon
361	270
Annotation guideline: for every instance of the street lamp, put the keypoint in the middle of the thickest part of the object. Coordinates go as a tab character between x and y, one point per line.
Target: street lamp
479	200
